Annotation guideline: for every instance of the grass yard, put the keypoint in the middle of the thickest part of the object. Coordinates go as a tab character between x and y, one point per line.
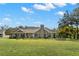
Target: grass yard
38	47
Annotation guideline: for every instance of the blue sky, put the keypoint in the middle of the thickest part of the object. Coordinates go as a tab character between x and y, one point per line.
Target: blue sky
33	14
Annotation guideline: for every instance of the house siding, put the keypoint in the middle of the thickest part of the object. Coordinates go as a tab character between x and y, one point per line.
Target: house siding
41	32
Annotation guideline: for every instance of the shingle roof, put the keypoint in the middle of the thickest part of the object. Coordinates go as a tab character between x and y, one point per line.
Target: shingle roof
30	30
33	30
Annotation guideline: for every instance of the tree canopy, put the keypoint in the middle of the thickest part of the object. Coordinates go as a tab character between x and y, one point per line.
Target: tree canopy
69	23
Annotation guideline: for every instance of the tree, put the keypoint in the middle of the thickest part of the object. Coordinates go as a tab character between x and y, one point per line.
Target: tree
76	18
21	26
70	21
64	25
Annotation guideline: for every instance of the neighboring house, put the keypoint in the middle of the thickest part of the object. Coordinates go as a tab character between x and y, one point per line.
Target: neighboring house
33	32
2	33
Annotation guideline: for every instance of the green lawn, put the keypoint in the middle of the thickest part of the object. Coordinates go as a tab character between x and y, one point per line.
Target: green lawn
38	47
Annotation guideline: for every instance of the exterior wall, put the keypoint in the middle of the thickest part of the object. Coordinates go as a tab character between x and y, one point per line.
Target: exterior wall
42	33
17	35
38	34
34	35
53	35
22	35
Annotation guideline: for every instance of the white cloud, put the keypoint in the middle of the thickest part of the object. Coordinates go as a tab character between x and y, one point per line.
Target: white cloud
39	7
27	10
60	4
73	3
46	6
50	6
0	23
5	21
61	13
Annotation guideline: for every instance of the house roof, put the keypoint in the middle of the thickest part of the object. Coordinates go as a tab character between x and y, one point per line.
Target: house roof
32	30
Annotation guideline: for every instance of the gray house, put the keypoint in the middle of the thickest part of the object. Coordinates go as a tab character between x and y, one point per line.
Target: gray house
33	32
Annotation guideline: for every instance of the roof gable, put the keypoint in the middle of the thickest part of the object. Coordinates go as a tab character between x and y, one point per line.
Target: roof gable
18	31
